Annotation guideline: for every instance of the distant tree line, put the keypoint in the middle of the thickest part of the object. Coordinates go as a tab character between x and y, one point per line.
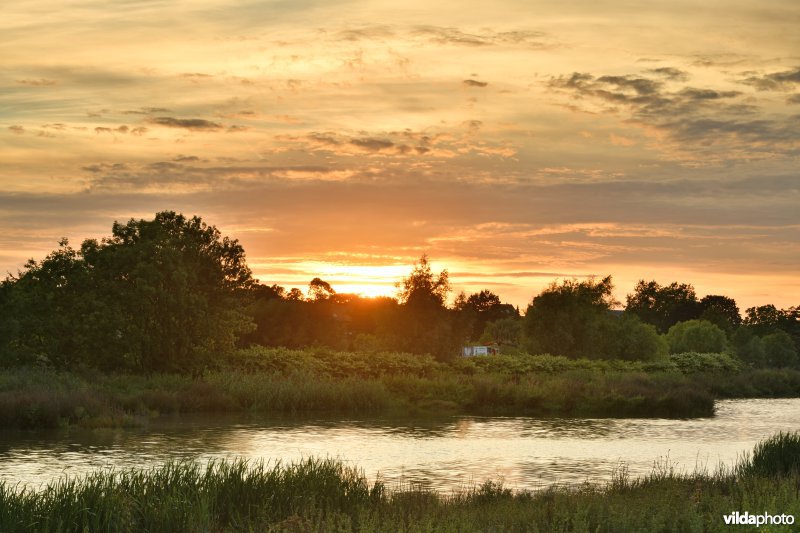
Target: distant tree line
173	295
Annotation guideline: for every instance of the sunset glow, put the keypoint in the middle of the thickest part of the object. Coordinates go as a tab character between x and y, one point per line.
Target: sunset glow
514	143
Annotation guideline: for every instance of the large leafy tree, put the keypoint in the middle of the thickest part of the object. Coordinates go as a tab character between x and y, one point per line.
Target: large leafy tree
568	319
663	305
158	295
721	311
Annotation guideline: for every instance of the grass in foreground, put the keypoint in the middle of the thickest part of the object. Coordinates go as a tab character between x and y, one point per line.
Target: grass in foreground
324	495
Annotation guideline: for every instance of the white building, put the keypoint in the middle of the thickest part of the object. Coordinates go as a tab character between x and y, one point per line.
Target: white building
472	351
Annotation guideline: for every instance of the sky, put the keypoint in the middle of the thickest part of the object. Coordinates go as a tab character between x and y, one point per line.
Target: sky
513	142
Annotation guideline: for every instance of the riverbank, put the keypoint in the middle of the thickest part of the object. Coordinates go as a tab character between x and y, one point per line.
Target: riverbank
278	382
39	399
317	495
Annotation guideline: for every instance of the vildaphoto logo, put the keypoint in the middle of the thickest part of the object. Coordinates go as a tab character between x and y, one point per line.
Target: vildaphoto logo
746	519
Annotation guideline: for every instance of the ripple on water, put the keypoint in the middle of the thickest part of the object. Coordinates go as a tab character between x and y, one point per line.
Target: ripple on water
444	454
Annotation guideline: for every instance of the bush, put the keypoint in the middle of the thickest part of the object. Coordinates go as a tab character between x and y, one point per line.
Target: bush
693	362
696	336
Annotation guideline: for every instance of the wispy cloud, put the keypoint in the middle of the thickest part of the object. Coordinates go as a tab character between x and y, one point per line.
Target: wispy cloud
198	124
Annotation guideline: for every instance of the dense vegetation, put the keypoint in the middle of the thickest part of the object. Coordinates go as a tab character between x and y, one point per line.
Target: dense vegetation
164	316
324	495
274	380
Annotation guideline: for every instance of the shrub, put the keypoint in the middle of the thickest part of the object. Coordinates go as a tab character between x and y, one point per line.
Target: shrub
693	362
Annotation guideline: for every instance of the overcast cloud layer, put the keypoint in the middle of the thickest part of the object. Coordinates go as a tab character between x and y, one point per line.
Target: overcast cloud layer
513	142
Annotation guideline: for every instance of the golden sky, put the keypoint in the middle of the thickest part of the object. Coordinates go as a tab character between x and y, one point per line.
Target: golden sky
513	141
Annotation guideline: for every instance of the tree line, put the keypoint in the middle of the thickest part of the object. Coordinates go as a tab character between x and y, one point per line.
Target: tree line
173	295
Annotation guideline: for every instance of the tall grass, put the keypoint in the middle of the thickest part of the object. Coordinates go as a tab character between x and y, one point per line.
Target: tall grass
321	380
778	455
325	495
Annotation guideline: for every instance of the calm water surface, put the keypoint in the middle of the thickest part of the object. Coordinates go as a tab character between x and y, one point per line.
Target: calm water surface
445	454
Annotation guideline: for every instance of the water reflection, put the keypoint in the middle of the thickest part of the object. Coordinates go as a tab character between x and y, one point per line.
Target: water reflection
447	453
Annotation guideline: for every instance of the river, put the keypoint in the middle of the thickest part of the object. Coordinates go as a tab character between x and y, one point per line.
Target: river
443	453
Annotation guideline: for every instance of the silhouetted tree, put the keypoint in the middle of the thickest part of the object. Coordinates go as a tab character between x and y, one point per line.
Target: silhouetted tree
320	290
422	288
721	311
663	306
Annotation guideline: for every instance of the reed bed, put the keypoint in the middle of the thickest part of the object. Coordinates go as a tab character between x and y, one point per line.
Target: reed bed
98	400
325	495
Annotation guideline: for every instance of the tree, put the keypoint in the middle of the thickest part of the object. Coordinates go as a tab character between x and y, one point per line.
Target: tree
630	339
779	350
721	311
567	319
158	295
767	319
422	323
39	310
748	347
663	306
480	308
505	331
422	289
320	290
696	336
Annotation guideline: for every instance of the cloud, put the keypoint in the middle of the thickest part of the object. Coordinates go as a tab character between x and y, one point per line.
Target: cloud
38	83
195	124
777	81
699	119
372	33
146	111
187	174
19	130
672	74
457	37
475	83
793	99
119	129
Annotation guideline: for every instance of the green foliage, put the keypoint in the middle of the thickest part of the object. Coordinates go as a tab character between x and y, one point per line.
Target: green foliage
696	336
333	363
568	319
721	311
630	339
505	331
159	295
694	362
779	350
748	347
663	306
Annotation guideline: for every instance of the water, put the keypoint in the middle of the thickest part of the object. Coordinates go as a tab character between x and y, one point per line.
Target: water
444	454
